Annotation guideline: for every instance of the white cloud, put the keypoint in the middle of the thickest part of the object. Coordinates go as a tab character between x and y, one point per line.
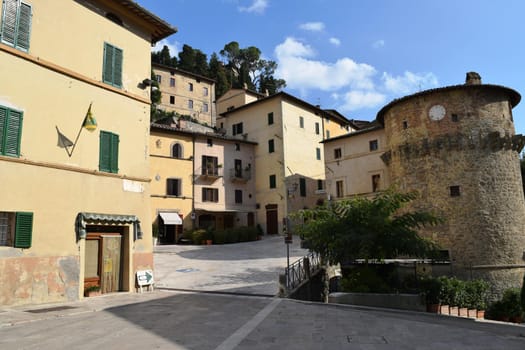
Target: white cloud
312	26
257	6
357	99
378	44
296	66
335	41
409	82
174	47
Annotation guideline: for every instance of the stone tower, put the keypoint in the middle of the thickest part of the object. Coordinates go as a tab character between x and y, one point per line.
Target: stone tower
457	147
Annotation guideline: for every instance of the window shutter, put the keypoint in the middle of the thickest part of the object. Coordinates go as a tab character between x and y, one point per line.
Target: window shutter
13	133
23	229
9	22
104	154
107	75
24	27
3	129
117	67
114	153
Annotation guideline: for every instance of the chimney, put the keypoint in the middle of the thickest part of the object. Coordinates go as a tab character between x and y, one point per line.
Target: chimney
473	78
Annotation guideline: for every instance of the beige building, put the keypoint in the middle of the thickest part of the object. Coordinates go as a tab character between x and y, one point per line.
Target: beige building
235	98
74	211
353	163
200	180
289	157
186	93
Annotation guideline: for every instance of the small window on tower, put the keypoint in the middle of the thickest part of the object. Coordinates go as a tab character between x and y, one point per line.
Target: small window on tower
405	124
454	118
455	191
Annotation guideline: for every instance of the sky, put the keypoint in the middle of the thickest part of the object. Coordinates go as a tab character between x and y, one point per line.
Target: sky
356	56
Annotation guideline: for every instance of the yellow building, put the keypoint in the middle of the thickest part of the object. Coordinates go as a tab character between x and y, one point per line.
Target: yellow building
353	162
200	180
74	209
289	156
186	93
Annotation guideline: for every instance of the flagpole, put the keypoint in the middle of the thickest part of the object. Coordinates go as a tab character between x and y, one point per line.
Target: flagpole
80	130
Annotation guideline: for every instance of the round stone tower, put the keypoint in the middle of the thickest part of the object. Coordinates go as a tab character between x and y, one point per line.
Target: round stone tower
457	147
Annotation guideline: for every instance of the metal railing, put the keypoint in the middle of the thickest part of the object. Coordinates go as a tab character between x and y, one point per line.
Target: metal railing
301	270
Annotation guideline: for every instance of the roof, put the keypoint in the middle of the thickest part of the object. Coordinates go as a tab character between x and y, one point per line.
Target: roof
247	91
372	127
183	72
282	95
164	127
513	95
333	114
360	124
159	28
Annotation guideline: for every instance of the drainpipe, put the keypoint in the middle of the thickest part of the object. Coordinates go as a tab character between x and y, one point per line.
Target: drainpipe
193	183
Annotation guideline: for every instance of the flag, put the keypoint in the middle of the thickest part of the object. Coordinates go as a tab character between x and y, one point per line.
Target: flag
90	123
63	141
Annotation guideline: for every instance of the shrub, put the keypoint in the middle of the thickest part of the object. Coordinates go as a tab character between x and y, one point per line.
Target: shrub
523	294
476	294
247	234
452	291
198	236
364	280
430	288
509	306
219	237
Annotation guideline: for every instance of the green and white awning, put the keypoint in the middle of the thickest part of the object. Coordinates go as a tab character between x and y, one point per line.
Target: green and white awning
84	218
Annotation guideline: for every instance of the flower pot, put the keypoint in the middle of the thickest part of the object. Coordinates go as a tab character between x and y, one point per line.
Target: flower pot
516	319
463	312
433	308
472	313
480	314
444	309
454	311
209	242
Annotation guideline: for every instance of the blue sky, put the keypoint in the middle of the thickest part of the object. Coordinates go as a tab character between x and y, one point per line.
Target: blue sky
357	55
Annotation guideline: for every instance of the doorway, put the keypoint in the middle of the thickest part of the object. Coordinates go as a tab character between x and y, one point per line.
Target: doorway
272	222
103	260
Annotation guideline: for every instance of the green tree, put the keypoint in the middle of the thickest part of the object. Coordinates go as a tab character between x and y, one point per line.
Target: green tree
218	73
362	228
193	61
163	57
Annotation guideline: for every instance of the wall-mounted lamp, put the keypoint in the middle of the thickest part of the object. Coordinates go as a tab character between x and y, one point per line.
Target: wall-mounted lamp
147	82
89	123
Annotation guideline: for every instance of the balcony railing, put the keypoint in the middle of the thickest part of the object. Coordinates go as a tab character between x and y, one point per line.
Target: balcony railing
240	175
210	172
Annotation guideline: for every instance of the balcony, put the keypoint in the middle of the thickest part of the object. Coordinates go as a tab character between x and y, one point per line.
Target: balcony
240	176
210	173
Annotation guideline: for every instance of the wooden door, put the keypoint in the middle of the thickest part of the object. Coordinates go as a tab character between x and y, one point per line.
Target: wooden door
272	222
102	261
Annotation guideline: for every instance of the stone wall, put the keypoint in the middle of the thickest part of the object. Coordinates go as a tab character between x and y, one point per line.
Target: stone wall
466	168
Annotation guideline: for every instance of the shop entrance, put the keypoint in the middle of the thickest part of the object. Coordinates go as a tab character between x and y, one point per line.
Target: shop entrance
103	260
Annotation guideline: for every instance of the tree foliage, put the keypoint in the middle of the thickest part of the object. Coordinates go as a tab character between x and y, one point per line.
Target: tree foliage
362	228
239	68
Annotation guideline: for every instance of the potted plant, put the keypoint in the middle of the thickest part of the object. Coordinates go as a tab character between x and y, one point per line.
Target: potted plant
445	295
431	288
479	299
92	291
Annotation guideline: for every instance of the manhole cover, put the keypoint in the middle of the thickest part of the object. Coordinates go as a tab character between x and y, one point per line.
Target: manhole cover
366	339
50	309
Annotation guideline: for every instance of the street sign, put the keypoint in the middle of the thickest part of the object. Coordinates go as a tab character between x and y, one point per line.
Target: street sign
145	278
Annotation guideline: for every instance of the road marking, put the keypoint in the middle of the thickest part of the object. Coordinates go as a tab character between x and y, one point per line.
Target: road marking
236	338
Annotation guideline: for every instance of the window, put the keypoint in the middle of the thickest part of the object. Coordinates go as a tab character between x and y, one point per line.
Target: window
176	151
338	153
454	118
327	134
210	165
405	124
302	187
112	67
376	182
16	229
273	181
205	107
320	185
209	142
204	91
317	128
237	129
159	78
238	168
237	146
210	194
455	191
270	118
172	100
238	196
172	82
16	24
301	122
339	191
190	104
173	187
10	132
271	146
373	145
108	154
190	86
318	153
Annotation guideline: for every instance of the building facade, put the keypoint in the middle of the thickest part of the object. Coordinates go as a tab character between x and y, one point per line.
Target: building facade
186	93
457	147
289	156
74	212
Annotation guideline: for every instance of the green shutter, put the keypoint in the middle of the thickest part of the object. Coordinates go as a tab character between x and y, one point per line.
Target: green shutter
104	153
112	68
9	21
24	27
113	163
23	230
16	24
10	132
117	67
